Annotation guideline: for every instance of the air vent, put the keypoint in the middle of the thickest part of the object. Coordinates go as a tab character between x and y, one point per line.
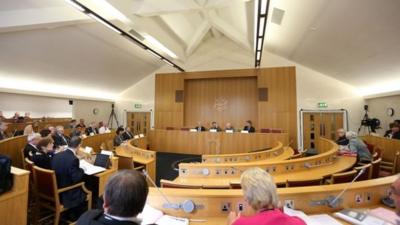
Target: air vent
277	16
136	35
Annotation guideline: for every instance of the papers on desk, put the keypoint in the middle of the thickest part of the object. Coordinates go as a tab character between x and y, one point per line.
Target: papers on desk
136	137
193	130
322	219
213	130
244	131
385	214
90	169
151	215
106	152
88	150
141	135
229	131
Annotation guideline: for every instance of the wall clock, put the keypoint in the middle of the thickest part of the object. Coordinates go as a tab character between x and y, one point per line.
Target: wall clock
390	111
96	111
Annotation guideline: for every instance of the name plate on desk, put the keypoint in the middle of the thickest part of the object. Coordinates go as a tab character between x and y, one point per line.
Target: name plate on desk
244	131
229	131
193	130
213	130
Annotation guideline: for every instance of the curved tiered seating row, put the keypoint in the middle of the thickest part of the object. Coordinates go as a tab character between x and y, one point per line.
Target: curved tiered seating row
222	175
277	153
311	200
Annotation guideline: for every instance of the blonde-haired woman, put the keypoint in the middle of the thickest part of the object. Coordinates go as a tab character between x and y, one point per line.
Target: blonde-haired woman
259	191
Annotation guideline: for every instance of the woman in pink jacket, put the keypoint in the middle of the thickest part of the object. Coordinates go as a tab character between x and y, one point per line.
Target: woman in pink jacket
259	191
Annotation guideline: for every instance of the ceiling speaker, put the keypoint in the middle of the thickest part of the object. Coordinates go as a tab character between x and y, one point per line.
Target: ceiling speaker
179	96
263	94
277	16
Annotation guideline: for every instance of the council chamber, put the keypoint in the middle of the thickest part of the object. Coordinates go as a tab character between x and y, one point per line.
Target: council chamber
199	112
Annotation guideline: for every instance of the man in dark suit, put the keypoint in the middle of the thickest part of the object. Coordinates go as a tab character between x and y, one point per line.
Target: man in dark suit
118	139
66	166
200	127
92	129
395	132
30	148
127	134
124	198
249	127
59	138
214	126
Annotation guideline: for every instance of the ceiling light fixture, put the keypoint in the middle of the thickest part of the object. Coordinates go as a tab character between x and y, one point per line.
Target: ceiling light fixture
111	26
98	19
261	8
159	45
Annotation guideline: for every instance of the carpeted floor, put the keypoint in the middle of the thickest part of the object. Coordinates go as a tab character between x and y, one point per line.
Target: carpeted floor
166	161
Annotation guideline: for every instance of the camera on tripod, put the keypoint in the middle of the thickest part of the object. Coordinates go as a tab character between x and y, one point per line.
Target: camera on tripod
370	124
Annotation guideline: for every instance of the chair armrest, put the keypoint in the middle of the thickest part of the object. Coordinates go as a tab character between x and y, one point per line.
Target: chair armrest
138	168
81	184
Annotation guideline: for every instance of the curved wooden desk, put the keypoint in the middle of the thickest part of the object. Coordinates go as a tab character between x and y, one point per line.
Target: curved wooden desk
220	175
12	148
390	146
277	153
304	198
95	141
178	141
139	156
14	204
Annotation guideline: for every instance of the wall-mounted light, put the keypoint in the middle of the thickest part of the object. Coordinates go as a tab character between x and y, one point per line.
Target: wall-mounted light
79	6
261	9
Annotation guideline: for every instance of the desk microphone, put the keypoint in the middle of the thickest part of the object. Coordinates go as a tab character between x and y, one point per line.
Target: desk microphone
333	201
187	206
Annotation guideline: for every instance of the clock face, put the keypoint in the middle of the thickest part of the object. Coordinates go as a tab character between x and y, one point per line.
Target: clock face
96	111
390	111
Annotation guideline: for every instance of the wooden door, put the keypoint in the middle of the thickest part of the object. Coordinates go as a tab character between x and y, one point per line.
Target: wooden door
320	124
139	122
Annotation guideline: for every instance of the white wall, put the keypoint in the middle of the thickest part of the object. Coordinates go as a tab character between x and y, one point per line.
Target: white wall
219	54
40	106
378	107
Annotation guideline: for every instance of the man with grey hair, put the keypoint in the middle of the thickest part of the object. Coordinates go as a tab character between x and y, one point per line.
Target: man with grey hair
30	148
357	146
3	128
124	198
59	138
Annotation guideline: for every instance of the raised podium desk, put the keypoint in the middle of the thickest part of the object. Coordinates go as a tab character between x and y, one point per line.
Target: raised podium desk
14	204
200	143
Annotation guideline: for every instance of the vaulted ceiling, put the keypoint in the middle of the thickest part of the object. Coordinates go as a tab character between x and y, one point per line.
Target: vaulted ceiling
61	50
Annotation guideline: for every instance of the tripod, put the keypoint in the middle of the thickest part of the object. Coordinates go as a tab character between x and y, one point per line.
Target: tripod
112	117
364	123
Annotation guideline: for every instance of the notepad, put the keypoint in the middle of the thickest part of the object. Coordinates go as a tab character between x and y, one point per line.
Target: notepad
324	219
385	214
152	215
90	169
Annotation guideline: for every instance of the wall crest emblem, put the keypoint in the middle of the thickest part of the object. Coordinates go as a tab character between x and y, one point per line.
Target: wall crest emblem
220	104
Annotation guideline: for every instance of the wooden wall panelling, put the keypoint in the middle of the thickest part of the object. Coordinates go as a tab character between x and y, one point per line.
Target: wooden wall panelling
168	113
222	100
280	111
11	147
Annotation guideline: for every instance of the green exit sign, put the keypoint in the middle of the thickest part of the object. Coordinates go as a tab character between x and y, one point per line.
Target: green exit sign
322	105
138	106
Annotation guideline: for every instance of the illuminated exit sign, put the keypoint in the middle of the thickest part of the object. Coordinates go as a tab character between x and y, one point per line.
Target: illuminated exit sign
322	105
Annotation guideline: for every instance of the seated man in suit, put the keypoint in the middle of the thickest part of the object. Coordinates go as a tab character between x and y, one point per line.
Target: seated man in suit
118	139
77	131
42	157
229	126
31	147
59	138
395	132
66	166
214	125
82	123
249	127
127	134
92	129
200	127
342	140
2	116
3	128
124	198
